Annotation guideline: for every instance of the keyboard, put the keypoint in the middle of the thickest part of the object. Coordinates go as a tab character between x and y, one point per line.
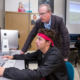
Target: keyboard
5	53
9	63
2	63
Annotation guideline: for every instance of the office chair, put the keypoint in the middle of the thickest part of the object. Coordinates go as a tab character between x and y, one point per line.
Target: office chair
70	69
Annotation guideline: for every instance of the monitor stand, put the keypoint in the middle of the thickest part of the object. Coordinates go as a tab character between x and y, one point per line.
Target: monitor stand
5	47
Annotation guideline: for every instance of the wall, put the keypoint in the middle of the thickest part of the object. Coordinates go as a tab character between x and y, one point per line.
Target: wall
12	5
1	13
59	8
17	21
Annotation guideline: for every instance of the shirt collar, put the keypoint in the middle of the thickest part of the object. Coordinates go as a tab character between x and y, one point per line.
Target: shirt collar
49	22
48	26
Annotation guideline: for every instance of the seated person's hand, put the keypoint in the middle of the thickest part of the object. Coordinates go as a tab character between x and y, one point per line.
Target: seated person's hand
7	56
65	59
1	71
22	52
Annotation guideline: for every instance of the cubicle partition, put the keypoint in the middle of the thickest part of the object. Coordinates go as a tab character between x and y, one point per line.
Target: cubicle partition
22	22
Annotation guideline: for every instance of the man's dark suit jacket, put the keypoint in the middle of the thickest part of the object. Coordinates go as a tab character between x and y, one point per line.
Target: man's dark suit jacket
51	66
61	35
0	39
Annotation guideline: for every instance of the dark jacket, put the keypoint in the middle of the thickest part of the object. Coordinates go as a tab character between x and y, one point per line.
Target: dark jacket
0	39
61	35
51	66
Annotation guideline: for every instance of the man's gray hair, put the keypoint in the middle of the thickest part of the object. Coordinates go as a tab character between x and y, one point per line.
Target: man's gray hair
47	5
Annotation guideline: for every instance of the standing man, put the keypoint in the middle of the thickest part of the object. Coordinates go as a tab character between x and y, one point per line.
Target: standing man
51	65
47	20
0	38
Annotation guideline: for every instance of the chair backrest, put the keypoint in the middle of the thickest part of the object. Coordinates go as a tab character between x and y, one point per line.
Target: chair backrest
70	69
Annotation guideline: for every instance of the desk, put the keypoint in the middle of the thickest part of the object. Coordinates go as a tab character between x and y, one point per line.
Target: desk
18	64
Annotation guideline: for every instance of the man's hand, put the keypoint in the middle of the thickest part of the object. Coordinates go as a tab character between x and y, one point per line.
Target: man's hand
1	71
65	59
7	56
22	52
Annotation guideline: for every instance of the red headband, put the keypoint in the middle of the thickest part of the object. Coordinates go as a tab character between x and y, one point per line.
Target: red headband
45	37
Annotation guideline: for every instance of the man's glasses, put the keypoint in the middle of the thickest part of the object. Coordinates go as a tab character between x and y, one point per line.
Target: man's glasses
42	14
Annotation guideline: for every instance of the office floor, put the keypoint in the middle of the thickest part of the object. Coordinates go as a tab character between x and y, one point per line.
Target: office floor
77	71
76	76
72	58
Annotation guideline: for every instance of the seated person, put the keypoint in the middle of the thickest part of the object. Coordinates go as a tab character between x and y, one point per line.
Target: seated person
77	44
51	65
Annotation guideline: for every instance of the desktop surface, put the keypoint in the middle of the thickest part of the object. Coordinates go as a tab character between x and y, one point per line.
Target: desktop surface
20	64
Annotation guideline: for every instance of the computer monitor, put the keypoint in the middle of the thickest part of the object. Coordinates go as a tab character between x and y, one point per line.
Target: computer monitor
10	36
73	37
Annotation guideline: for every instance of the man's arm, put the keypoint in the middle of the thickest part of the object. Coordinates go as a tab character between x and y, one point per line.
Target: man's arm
25	74
52	63
7	56
65	38
31	36
1	71
29	56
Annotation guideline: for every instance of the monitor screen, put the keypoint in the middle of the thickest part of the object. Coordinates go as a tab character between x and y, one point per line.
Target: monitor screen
11	36
73	16
73	37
